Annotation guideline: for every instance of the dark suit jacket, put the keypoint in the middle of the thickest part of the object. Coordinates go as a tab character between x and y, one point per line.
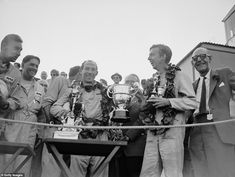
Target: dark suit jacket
136	144
222	82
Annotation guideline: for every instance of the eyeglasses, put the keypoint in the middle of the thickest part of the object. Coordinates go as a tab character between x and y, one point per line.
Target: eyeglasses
201	56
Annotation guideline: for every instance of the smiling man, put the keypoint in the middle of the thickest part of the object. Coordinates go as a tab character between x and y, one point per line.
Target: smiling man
164	147
96	108
30	94
212	148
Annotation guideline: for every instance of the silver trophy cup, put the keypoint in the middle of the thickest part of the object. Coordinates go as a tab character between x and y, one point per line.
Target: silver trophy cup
121	95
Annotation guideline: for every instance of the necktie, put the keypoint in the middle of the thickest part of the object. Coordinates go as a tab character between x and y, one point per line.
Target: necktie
202	107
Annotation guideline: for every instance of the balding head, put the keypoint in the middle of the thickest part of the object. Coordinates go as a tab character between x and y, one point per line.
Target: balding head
200	51
89	62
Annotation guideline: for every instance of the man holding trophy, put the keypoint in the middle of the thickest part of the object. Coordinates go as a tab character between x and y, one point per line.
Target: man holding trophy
92	107
167	104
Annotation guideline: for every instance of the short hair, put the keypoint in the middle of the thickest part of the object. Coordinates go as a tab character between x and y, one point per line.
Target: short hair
104	81
27	58
82	67
74	70
10	37
134	75
44	72
54	71
163	50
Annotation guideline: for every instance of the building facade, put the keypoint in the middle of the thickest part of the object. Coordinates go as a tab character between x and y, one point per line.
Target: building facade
229	24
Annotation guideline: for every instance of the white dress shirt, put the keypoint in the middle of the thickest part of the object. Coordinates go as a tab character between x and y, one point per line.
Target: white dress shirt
199	90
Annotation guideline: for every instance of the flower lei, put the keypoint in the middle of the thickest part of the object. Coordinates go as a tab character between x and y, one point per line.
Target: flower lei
106	107
169	113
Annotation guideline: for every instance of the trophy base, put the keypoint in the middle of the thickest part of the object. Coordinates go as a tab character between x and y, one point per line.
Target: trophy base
66	135
121	116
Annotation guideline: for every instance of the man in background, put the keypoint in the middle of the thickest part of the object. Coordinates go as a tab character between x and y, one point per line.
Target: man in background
117	78
54	73
64	74
54	92
43	75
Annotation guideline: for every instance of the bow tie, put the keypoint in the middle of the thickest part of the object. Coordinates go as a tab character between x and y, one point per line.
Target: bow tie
89	88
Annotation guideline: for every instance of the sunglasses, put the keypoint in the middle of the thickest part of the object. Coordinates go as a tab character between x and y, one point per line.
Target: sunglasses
54	74
201	56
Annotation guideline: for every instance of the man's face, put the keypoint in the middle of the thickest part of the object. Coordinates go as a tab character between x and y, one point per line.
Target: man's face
144	84
155	59
44	75
12	50
77	77
44	84
201	60
54	74
116	79
131	80
30	68
63	74
89	72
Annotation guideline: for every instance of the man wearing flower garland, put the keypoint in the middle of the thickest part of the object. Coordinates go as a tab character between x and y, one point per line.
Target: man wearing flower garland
212	148
96	109
164	147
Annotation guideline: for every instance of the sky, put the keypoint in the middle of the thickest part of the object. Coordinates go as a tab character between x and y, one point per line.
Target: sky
116	34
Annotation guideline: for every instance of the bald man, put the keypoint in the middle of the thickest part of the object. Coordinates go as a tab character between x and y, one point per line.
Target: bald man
212	148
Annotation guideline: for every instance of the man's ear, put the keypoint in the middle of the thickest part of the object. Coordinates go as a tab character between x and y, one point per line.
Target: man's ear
164	58
96	73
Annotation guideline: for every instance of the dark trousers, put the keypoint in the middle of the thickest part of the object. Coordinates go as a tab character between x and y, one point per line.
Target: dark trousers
125	166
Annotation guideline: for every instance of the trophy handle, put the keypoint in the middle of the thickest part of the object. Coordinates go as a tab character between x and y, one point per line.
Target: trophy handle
109	91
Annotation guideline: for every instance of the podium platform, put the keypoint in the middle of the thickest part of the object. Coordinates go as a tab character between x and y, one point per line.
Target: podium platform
15	149
90	147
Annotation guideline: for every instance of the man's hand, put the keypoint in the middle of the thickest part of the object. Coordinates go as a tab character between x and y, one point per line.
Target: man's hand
64	113
3	102
159	102
140	96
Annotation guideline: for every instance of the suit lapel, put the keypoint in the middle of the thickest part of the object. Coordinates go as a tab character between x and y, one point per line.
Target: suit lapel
195	85
213	82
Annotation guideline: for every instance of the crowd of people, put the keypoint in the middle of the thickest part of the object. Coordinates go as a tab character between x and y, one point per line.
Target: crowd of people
168	98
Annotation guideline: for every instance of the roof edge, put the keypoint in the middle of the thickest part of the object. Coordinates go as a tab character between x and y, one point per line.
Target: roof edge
229	13
199	45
